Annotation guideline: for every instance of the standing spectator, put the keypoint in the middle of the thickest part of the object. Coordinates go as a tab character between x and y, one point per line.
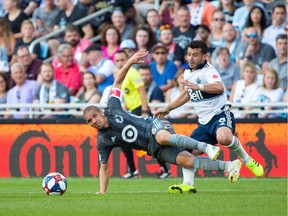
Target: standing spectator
90	93
14	16
269	92
45	18
228	8
27	30
280	63
257	19
163	70
101	67
7	39
4	86
69	13
216	36
167	12
31	66
229	72
253	50
50	91
110	41
277	27
22	92
244	90
118	19
145	39
201	12
183	34
154	21
166	37
172	93
68	72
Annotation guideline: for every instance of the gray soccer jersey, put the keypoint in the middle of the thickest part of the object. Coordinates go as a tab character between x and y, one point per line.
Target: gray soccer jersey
206	105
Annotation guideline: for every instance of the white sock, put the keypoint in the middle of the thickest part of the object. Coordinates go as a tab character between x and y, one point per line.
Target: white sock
188	176
238	149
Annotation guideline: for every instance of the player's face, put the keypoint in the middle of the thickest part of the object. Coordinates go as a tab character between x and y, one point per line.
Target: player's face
195	57
95	119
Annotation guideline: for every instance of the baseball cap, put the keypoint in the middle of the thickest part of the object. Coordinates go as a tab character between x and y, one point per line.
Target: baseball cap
128	44
159	45
93	47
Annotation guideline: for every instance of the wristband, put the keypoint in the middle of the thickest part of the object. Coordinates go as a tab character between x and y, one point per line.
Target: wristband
144	111
201	87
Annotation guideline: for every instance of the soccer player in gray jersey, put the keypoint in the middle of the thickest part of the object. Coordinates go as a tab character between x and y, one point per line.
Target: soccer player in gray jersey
117	127
204	87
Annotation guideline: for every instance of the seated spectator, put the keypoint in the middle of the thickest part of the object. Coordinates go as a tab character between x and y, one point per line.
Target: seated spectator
257	19
163	70
129	47
244	90
7	39
27	30
68	72
167	12
50	92
203	33
228	8
90	93
166	37
110	41
172	93
145	39
28	6
45	18
280	63
229	72
279	18
14	16
216	36
31	66
4	86
118	19
4	64
154	21
101	67
253	50
201	12
22	92
269	92
73	38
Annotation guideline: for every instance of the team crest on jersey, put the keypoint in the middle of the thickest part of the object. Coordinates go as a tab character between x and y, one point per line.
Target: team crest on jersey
198	80
118	119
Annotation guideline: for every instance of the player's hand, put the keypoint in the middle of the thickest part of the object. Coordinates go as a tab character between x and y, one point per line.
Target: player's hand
137	58
161	112
188	85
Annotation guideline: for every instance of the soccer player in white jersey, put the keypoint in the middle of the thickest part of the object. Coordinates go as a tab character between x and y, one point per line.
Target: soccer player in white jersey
204	87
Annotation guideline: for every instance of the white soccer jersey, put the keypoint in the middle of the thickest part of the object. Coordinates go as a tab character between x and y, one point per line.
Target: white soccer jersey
207	105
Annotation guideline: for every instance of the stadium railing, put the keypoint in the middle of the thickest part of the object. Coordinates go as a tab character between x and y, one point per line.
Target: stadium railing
76	108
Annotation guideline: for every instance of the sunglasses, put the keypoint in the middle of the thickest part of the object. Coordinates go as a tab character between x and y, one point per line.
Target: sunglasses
219	19
254	35
162	53
163	27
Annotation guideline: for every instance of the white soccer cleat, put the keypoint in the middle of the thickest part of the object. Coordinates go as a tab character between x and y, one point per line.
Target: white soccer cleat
234	170
213	151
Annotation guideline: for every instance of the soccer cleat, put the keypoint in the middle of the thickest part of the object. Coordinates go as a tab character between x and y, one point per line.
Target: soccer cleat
181	188
255	167
164	175
213	151
131	175
234	170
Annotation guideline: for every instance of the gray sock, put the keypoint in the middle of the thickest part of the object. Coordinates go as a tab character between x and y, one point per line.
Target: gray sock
205	163
238	149
185	142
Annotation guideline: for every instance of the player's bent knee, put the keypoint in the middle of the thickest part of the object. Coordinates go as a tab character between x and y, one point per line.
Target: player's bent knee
162	137
225	140
185	159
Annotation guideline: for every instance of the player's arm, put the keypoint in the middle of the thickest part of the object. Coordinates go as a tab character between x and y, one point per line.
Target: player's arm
104	178
143	94
135	59
180	100
213	88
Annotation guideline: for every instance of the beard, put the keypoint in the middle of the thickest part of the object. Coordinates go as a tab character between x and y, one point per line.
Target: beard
74	42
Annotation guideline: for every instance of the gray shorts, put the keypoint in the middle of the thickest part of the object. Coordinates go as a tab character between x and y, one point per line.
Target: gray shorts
164	153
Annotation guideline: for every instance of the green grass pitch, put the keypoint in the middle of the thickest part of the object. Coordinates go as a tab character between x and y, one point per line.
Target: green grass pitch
146	196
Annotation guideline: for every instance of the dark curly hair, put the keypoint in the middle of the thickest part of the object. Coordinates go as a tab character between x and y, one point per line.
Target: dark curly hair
198	44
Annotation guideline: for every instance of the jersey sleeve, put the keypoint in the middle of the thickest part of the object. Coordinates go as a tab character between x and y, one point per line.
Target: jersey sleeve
103	151
212	76
114	98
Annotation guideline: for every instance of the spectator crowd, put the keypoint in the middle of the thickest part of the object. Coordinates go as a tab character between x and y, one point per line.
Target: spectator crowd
247	43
